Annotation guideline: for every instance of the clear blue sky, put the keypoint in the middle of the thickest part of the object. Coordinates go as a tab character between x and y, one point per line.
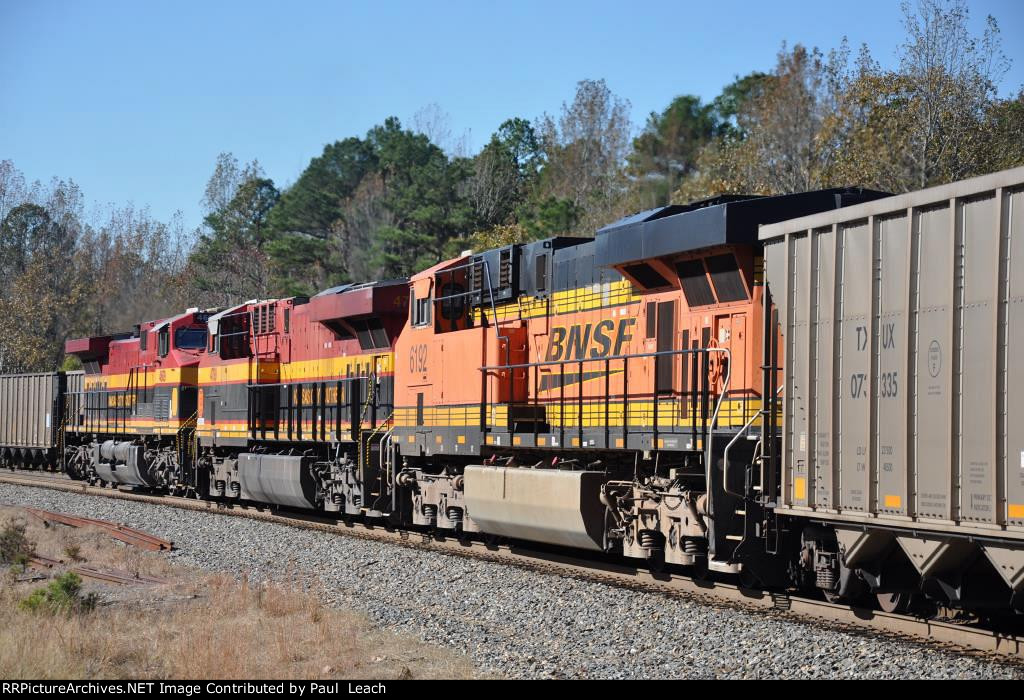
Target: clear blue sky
134	100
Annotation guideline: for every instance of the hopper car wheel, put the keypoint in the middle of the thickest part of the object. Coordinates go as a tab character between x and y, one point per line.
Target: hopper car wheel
749	580
895	602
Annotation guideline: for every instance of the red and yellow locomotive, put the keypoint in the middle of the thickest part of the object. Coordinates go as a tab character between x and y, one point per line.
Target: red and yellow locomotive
295	395
132	422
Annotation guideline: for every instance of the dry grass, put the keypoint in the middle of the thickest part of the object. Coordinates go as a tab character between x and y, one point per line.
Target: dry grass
197	627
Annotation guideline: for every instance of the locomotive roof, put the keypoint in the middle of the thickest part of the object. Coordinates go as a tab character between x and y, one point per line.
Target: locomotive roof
169	320
351	286
725	219
213	322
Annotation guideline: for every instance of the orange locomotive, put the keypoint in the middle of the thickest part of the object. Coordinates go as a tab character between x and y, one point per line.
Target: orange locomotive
623	369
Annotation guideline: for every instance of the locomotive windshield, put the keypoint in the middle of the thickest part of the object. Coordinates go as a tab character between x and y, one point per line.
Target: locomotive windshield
190	338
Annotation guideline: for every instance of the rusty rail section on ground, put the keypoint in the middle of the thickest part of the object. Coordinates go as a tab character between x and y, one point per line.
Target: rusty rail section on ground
118	576
128	535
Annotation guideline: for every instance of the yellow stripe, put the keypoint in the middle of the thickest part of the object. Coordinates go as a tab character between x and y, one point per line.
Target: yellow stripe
219	432
111	426
734	413
151	377
1015	511
597	296
338	367
239	372
274	372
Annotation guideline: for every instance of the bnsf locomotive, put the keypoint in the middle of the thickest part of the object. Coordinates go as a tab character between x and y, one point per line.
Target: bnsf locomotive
811	391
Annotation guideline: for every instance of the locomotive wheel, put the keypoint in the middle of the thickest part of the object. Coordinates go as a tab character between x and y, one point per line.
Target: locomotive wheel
656	562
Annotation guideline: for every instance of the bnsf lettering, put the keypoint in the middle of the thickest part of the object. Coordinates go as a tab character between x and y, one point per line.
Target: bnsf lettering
581	342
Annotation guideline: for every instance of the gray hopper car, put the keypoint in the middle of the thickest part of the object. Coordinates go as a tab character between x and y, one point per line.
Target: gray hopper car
902	327
32	411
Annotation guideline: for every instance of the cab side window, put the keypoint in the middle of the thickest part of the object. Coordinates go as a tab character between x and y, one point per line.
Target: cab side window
163	345
419	310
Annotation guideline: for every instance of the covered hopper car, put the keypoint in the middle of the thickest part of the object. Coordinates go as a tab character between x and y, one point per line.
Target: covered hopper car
903	330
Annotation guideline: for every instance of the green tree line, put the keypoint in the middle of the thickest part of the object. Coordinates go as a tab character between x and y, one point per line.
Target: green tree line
399	199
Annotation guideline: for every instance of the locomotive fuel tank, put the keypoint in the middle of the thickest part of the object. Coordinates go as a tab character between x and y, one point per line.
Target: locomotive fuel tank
281	479
123	463
543	505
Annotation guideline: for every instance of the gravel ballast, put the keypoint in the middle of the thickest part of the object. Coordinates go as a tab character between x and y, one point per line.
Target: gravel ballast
521	623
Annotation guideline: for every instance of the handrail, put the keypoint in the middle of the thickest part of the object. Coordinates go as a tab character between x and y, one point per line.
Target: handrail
682	351
293	412
498	337
353	378
707	431
725	454
471	292
714	416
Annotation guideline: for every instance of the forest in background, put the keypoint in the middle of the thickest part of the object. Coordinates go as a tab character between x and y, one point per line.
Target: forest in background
399	199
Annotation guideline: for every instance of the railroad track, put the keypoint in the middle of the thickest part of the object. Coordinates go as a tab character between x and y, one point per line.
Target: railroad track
950	636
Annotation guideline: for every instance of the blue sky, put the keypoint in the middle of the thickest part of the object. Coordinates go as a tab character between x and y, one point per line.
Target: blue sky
134	100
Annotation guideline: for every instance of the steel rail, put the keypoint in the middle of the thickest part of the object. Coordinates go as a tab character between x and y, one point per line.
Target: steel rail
957	638
128	535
